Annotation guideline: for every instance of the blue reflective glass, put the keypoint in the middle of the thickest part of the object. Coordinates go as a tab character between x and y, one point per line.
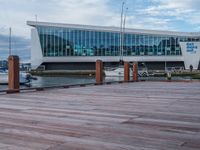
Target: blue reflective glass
57	42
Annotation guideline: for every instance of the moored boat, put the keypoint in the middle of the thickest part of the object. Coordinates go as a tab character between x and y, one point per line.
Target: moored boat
119	72
116	72
24	78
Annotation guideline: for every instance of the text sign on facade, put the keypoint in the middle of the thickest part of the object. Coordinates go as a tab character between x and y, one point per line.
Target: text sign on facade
191	47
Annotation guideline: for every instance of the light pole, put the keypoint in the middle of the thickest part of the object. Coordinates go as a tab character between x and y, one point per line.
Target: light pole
10	40
123	32
121	24
36	18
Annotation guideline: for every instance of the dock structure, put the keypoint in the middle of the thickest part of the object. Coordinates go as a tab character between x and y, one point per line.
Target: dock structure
128	116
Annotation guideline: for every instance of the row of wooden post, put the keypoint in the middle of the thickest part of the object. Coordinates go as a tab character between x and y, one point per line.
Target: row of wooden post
99	72
13	73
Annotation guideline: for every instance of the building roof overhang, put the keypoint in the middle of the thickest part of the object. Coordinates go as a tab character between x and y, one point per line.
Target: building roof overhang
113	29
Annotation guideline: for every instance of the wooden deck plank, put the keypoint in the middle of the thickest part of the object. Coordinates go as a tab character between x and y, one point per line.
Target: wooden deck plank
143	115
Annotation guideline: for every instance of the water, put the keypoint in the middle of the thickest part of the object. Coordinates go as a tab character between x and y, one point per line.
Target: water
44	81
54	81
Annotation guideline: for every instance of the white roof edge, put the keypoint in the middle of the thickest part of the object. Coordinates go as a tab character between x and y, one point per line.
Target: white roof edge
114	29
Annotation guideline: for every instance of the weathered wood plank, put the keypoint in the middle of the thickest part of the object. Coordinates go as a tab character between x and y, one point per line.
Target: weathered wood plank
143	115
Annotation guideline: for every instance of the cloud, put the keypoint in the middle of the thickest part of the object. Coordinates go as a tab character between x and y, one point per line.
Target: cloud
16	13
19	46
180	15
142	13
180	4
186	11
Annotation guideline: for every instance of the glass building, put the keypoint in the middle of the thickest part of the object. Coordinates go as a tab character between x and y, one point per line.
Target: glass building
67	41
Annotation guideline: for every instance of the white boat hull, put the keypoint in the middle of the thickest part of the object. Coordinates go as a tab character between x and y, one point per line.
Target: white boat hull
119	72
4	78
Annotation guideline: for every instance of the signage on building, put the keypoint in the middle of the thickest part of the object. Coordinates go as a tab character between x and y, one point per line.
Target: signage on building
191	47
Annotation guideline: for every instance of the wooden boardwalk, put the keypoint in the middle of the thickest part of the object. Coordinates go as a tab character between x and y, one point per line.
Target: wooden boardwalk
129	116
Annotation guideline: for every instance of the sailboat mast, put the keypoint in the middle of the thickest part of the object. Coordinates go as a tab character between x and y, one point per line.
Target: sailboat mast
10	30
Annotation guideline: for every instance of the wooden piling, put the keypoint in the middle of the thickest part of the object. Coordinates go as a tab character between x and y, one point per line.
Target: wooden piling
13	74
135	72
126	72
99	72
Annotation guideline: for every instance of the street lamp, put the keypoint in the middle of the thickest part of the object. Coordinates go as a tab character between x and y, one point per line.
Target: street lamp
10	34
121	24
123	32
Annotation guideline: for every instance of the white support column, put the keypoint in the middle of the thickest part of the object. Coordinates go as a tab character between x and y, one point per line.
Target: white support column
36	50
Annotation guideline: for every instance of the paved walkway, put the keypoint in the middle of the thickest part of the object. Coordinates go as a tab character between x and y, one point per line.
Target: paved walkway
128	116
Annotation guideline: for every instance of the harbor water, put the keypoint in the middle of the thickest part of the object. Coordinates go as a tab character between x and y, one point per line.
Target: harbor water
47	81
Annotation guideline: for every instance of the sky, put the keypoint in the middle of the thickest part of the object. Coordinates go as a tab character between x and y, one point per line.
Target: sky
175	15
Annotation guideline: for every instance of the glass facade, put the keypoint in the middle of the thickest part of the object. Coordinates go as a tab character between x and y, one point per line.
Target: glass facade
59	42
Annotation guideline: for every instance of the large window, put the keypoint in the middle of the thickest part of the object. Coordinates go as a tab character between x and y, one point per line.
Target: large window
59	42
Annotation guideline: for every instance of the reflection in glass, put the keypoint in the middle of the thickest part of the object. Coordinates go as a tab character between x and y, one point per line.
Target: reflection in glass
59	42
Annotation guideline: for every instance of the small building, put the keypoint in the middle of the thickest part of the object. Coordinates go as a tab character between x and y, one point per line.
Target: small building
69	46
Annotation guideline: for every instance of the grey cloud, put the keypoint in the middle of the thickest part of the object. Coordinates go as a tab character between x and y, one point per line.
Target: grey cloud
95	12
20	47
